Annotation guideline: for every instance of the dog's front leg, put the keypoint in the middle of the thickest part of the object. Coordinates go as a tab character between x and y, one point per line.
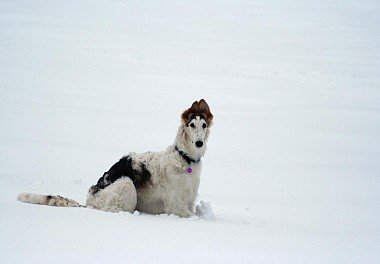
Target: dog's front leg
185	213
180	210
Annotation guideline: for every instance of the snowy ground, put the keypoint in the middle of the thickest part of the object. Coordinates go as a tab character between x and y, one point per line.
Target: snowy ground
292	169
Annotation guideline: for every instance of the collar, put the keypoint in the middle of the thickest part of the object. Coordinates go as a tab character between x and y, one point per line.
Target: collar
186	157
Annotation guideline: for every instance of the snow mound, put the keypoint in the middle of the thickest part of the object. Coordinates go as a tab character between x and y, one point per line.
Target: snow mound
204	211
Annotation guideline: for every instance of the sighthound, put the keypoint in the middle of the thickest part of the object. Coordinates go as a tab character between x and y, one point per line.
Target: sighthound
152	182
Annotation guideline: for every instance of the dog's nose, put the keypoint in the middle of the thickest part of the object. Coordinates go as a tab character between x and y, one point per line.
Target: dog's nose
199	144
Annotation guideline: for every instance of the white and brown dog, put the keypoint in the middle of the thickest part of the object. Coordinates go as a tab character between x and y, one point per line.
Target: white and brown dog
152	182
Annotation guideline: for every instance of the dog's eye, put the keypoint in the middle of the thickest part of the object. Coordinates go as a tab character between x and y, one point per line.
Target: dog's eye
204	125
192	125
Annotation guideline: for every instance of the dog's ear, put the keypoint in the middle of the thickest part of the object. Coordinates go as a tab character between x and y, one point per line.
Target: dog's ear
197	108
204	109
194	107
193	110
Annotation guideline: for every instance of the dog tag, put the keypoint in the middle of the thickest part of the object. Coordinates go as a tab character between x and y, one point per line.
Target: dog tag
189	170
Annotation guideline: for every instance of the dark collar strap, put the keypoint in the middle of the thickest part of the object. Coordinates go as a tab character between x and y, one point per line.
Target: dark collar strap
186	157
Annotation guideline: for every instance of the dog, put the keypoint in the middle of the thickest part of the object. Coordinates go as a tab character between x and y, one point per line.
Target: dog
153	182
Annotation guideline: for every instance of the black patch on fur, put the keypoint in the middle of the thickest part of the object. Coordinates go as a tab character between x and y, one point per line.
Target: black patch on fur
186	157
123	168
194	117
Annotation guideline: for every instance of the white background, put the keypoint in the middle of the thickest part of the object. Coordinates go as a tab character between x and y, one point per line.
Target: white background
292	168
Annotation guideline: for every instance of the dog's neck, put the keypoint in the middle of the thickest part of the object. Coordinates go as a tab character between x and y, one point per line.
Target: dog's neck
188	159
184	144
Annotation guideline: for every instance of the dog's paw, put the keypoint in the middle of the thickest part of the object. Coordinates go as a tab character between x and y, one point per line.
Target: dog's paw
185	214
94	189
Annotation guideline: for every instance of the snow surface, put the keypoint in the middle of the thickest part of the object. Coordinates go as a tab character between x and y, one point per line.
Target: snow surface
204	211
292	168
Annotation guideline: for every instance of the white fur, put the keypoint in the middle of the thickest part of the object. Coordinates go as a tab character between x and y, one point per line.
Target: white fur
119	196
32	198
171	190
47	200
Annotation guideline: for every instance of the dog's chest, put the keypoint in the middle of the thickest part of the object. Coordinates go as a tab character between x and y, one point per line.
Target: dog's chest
184	184
174	189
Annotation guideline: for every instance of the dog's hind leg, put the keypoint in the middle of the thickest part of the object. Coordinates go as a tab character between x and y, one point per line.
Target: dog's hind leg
125	167
119	196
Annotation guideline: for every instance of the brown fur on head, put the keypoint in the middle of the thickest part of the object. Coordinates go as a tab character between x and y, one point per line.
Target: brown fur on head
200	108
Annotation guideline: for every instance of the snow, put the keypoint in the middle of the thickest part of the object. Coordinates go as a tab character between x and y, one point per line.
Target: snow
204	210
292	167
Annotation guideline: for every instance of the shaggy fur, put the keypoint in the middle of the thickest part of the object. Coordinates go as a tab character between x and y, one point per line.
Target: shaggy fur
47	200
118	196
152	182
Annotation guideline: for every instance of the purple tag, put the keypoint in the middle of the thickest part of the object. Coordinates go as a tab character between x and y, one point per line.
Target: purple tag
189	170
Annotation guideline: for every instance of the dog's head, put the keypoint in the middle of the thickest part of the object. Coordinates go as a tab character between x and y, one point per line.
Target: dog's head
197	120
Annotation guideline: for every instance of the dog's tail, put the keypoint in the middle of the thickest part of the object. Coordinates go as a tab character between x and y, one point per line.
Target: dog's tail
51	200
